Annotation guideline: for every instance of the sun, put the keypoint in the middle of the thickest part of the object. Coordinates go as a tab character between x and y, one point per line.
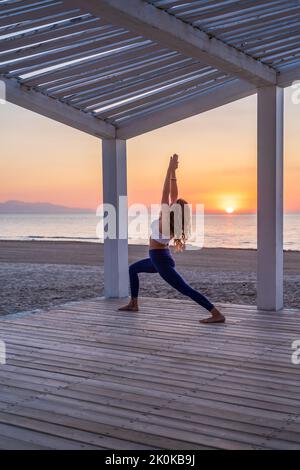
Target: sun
229	210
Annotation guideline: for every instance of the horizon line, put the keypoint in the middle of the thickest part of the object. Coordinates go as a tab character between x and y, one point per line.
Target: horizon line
90	209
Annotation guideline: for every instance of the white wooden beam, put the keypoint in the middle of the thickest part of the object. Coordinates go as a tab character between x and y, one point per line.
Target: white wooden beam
192	106
114	191
270	198
53	109
145	19
287	78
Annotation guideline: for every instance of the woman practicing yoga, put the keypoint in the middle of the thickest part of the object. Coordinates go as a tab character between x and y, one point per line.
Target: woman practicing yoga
160	259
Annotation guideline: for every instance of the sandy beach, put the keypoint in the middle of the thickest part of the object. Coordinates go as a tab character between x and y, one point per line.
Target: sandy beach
36	274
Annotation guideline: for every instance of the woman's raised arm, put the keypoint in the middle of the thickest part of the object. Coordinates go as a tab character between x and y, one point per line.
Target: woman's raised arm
167	185
173	179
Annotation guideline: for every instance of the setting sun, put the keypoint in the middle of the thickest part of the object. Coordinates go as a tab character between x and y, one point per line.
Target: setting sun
229	210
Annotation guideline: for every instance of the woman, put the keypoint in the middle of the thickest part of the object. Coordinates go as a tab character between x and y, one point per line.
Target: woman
160	259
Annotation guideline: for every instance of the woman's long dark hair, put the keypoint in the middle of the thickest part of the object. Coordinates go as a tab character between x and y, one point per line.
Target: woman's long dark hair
180	224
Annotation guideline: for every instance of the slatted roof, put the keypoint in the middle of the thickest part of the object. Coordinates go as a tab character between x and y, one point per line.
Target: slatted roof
268	31
113	65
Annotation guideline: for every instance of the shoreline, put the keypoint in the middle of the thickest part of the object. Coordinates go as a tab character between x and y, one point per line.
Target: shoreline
40	274
69	241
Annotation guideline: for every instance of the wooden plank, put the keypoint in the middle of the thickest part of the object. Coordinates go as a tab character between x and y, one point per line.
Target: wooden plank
57	442
119	84
40	61
10	443
43	12
35	37
131	73
139	104
38	37
59	20
85	376
108	435
50	77
126	91
120	415
56	42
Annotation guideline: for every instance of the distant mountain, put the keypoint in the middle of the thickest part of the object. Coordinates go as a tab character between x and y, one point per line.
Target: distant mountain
20	207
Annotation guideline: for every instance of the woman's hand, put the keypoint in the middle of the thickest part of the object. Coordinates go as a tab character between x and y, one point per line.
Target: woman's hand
174	162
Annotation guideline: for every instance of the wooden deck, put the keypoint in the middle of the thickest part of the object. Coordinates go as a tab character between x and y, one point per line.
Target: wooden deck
84	376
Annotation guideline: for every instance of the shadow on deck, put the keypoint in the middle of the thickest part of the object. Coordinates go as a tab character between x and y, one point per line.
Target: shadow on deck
84	376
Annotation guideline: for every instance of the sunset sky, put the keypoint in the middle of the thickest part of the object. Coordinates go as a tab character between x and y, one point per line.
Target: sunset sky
44	161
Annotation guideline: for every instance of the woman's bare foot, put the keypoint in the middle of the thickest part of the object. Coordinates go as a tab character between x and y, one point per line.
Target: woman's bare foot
131	307
216	317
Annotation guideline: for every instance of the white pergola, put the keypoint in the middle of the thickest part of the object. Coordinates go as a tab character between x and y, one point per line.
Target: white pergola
119	68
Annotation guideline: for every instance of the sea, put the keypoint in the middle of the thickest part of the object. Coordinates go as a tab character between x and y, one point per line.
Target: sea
223	231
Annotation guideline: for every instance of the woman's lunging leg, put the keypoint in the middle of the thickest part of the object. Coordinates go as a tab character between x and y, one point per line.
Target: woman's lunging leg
143	266
165	266
172	277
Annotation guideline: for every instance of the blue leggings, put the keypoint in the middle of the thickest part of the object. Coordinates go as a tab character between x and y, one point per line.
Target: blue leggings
161	262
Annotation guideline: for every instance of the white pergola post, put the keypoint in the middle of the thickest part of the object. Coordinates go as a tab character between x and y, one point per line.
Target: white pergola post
115	193
270	198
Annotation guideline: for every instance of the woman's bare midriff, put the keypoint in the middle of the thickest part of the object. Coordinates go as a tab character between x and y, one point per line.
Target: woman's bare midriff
154	245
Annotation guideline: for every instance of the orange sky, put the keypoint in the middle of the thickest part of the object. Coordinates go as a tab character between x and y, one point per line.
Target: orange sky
42	160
